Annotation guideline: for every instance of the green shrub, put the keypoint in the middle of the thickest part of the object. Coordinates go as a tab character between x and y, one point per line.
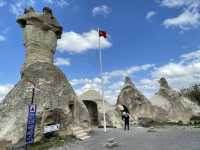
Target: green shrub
193	93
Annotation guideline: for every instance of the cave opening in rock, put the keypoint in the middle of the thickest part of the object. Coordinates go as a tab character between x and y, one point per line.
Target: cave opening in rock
51	119
71	108
93	111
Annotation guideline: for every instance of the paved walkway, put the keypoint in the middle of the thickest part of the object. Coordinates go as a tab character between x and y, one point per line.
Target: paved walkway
173	138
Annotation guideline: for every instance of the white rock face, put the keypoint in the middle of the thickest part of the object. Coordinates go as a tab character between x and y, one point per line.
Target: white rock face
191	105
160	101
136	102
178	107
166	105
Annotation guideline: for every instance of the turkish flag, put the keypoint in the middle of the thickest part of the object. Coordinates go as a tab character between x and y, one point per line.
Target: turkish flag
102	33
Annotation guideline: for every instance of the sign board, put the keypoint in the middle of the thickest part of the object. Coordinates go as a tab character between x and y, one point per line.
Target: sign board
51	128
30	131
30	89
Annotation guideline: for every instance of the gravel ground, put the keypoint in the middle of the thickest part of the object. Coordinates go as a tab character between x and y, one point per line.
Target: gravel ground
168	138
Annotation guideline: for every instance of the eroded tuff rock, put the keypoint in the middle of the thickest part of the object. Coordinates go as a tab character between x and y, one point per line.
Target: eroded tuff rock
93	101
167	105
139	106
56	100
178	107
136	102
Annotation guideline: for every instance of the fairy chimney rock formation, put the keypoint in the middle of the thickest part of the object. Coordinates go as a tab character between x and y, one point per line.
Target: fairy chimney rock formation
163	83
128	81
41	31
178	107
56	100
135	101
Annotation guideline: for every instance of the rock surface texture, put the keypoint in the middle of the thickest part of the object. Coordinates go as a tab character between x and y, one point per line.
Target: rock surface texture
113	118
167	105
136	102
178	107
56	100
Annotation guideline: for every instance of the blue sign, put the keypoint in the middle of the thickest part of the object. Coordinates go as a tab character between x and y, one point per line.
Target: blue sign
30	131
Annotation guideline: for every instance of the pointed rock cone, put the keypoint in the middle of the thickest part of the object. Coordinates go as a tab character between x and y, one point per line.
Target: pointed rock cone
137	104
128	81
173	102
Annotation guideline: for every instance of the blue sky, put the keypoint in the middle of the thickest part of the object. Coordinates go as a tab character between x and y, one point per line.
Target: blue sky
148	39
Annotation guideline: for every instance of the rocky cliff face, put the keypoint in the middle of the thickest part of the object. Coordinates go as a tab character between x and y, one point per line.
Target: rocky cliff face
56	100
178	107
166	105
136	102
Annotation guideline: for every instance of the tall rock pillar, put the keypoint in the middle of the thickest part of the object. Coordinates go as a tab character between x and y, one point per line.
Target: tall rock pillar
56	100
41	31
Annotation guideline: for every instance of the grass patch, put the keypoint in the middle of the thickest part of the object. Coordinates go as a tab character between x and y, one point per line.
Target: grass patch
51	143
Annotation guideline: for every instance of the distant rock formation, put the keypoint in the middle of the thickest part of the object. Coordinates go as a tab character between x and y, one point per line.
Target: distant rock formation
167	105
178	107
93	101
56	100
134	100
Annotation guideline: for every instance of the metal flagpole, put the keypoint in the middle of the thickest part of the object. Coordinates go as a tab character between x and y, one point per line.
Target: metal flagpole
102	83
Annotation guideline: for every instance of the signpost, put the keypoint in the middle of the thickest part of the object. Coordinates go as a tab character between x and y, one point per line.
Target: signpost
31	121
30	131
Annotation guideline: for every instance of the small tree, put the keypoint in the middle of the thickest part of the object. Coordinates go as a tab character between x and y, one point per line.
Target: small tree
192	93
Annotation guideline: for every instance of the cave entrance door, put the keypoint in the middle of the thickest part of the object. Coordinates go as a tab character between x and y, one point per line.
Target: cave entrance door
93	112
51	118
71	108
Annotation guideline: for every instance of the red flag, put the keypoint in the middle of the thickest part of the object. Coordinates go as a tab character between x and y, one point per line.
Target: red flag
102	33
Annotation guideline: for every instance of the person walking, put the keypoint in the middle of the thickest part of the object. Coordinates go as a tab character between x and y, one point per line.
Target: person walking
125	118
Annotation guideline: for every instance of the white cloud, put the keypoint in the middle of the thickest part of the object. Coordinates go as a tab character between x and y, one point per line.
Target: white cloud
176	3
188	4
186	20
191	56
148	86
62	62
82	85
18	7
126	72
2	38
188	65
75	82
77	43
183	73
150	15
60	3
173	70
113	81
2	3
103	10
4	89
189	18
